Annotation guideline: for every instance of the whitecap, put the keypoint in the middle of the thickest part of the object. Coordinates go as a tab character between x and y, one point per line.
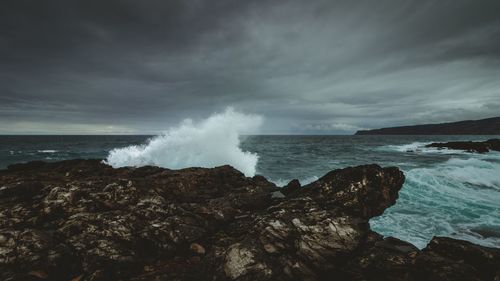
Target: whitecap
448	199
419	147
410	147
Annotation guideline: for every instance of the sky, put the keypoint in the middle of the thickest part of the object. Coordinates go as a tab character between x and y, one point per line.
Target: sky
307	67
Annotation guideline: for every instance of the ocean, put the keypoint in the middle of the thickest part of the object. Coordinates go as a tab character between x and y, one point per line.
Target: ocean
446	193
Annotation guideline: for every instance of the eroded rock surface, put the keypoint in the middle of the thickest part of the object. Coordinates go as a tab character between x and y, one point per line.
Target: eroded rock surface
83	220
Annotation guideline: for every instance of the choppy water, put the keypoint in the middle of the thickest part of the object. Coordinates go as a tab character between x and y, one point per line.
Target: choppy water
446	193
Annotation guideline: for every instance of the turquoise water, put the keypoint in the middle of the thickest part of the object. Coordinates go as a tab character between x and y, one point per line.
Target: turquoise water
446	193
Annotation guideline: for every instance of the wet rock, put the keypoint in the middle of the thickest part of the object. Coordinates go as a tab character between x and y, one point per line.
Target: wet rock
494	144
382	259
83	219
291	187
22	190
450	259
470	146
364	191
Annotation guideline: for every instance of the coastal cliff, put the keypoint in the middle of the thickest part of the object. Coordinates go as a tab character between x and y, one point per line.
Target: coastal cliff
489	126
84	220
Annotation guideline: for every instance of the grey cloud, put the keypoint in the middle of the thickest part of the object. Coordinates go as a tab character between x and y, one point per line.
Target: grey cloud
308	66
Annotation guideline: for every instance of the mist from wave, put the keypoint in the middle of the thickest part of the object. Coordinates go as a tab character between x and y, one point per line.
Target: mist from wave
212	142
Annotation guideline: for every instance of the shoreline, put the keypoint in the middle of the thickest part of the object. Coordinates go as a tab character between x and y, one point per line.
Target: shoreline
84	219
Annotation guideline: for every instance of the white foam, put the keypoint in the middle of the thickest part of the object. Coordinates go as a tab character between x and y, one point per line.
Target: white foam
47	151
474	171
411	147
448	199
419	147
209	143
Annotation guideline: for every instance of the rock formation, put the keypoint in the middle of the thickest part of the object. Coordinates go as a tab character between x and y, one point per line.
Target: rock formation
83	220
469	146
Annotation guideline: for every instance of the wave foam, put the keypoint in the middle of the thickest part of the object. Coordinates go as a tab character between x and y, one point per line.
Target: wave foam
47	151
474	171
453	198
212	142
419	147
411	147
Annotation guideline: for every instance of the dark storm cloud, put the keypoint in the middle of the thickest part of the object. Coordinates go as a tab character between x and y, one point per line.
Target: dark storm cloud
307	66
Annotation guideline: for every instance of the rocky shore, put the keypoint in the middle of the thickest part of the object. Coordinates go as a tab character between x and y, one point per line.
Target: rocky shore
83	220
469	146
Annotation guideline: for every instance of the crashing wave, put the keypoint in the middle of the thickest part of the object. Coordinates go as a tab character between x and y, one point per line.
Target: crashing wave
212	142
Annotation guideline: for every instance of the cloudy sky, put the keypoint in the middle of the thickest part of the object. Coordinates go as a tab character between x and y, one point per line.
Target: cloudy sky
309	67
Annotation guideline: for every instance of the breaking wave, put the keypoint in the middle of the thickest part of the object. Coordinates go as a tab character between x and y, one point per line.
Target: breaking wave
47	151
457	198
419	147
212	142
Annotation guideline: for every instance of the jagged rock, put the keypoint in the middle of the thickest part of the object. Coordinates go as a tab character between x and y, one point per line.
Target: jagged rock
450	259
84	220
291	187
382	259
470	146
364	191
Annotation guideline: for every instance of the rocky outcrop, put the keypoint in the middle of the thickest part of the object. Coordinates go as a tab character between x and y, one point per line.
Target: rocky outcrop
83	220
469	146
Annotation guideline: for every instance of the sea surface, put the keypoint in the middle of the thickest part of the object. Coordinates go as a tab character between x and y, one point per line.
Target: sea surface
446	193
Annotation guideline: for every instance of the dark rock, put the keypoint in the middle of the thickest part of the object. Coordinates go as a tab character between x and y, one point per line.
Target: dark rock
20	189
84	220
292	187
487	232
494	144
450	259
470	146
382	259
364	191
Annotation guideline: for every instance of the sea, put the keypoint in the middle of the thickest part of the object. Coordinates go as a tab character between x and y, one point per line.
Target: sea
446	192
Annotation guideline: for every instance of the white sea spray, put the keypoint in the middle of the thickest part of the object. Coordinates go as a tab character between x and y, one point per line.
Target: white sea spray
209	143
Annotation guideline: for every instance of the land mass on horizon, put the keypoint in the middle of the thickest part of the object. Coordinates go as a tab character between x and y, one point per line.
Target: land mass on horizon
489	126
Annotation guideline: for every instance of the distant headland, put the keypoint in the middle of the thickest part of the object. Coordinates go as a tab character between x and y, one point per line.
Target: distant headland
489	126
